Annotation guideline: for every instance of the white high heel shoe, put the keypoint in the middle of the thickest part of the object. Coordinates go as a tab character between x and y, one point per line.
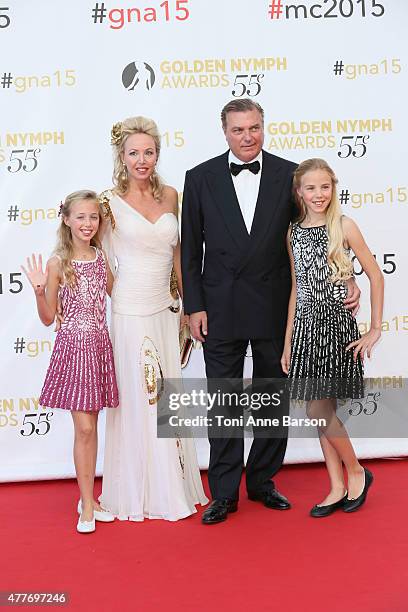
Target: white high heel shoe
102	516
86	526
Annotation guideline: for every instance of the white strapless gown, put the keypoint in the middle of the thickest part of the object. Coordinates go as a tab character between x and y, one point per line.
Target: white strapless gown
145	476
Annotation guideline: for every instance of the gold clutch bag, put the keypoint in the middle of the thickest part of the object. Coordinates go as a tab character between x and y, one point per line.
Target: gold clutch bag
186	345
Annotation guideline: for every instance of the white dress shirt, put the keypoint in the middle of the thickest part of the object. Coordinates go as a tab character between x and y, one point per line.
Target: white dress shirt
246	185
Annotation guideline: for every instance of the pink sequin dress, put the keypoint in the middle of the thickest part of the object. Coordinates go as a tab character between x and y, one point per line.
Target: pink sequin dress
81	374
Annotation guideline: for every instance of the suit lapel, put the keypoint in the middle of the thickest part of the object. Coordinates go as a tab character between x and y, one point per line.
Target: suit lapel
266	204
223	191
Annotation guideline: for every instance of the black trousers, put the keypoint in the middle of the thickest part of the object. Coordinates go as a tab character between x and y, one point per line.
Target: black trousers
225	359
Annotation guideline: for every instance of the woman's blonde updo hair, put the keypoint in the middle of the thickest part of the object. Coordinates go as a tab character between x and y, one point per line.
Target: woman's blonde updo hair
119	134
64	248
337	257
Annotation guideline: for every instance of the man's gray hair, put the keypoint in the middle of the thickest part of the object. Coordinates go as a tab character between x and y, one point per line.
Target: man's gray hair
241	105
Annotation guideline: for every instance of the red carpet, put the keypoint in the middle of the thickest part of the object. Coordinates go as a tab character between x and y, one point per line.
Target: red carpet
260	559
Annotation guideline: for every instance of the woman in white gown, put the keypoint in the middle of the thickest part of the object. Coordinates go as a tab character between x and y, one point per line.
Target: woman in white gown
144	476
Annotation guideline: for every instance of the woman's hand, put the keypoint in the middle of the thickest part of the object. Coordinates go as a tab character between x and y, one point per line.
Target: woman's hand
285	359
364	344
35	274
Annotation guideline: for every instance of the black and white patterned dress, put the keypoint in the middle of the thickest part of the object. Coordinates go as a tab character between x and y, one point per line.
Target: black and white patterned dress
320	366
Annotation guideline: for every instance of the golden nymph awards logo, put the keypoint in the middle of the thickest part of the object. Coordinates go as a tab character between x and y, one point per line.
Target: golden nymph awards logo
352	137
244	76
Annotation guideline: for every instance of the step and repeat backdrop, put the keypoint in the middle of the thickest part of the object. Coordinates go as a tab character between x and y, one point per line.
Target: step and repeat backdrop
331	77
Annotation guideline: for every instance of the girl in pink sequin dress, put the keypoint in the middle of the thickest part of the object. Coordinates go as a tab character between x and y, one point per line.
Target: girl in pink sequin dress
81	375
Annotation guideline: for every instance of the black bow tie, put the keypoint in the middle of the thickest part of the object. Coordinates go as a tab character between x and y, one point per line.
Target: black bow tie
253	167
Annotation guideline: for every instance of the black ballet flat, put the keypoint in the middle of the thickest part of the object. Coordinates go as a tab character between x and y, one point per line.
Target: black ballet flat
321	511
351	505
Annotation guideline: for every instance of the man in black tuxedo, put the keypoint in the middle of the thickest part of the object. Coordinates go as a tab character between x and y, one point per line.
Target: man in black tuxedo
239	205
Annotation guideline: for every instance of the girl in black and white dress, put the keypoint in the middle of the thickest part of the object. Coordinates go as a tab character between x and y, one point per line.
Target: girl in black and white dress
324	352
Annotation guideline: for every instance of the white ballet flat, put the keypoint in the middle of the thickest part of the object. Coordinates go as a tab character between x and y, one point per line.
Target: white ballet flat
86	526
103	516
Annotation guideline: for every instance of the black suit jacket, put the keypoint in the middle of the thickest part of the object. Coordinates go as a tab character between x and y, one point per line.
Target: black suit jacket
244	281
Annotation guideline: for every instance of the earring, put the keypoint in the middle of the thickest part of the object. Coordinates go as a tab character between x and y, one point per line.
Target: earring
124	174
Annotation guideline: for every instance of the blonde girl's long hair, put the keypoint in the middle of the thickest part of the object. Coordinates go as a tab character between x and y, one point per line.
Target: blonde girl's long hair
119	134
337	257
64	249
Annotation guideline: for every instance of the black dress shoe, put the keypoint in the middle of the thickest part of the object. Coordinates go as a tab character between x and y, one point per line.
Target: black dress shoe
271	499
320	511
351	505
217	511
